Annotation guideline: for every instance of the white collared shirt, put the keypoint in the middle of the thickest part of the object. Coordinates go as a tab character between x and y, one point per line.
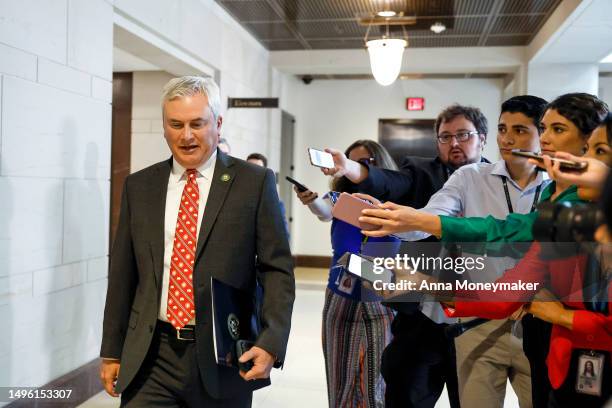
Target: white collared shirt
176	184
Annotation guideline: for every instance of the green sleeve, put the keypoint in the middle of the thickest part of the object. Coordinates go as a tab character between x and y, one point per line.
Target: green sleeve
515	228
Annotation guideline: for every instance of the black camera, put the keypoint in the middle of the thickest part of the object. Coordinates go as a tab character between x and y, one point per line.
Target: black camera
566	229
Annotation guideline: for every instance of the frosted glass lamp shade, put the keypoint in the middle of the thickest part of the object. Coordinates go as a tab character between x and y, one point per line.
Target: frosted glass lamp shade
386	59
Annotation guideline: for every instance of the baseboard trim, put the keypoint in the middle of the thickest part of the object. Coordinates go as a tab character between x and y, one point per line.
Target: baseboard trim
84	382
312	261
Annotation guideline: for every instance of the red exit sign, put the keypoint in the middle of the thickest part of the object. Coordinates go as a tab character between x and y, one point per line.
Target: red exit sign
415	104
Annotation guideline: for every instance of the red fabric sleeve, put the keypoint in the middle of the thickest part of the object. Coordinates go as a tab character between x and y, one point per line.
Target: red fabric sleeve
592	330
503	303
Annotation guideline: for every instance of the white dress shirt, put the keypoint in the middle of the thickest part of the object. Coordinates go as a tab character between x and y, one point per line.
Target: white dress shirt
176	184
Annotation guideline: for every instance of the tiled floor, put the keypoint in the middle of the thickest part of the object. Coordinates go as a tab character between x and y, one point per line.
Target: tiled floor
301	384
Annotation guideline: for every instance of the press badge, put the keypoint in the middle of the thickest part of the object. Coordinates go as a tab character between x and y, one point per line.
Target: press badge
590	372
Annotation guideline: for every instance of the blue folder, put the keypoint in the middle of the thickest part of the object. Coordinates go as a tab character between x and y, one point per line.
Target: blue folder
234	317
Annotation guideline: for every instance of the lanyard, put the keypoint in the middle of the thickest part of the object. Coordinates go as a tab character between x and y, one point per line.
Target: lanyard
535	198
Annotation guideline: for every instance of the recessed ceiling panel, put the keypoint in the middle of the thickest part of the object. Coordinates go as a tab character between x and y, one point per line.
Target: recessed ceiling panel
334	24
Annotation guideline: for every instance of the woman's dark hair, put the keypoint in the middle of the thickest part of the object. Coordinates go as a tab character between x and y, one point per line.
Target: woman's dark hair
584	110
380	158
471	113
531	106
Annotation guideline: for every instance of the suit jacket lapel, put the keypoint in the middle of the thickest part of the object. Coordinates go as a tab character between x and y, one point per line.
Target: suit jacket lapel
157	202
221	182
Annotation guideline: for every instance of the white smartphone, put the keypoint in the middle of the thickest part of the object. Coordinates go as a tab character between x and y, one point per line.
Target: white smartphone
319	158
363	268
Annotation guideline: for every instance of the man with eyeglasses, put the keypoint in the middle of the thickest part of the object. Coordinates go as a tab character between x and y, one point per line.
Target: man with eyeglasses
420	360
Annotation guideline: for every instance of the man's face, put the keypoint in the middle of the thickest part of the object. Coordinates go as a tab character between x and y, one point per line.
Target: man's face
516	131
190	129
455	153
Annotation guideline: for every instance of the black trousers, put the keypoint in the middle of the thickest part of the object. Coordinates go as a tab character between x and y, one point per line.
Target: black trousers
536	342
169	377
418	362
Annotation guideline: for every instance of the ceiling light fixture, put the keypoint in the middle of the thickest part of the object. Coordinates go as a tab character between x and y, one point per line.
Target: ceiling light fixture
386	56
437	27
386	13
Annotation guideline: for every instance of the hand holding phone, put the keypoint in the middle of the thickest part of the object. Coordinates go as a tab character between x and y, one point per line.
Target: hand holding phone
319	158
365	269
348	209
301	188
242	346
564	164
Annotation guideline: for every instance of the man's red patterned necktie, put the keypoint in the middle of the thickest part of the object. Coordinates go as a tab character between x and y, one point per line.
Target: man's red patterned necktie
181	308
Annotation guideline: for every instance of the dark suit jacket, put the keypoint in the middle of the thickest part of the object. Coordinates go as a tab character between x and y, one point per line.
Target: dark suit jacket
241	228
416	181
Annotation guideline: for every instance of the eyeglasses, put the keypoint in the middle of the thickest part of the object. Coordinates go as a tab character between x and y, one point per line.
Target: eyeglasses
367	160
461	137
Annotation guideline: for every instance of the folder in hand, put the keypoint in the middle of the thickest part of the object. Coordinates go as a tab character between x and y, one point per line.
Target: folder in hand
233	318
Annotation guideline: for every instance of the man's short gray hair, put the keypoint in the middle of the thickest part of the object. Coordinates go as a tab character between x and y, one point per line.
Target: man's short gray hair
190	85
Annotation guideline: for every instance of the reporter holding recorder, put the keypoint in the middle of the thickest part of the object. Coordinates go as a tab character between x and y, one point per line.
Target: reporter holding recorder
489	355
589	327
356	327
567	125
420	361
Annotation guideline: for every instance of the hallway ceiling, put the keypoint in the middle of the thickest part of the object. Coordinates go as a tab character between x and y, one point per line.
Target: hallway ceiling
334	24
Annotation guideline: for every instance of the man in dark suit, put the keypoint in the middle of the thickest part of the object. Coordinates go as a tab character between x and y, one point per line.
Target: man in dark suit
198	215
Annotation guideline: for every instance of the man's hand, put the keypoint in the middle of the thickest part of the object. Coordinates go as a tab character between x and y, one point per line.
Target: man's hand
109	371
305	197
262	363
393	218
343	166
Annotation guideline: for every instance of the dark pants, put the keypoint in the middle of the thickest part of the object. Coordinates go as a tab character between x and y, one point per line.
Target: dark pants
536	342
418	362
169	377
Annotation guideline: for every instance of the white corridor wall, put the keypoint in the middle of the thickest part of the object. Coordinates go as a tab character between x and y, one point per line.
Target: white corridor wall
55	136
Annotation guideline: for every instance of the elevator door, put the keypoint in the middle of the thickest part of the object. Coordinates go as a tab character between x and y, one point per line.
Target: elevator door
407	137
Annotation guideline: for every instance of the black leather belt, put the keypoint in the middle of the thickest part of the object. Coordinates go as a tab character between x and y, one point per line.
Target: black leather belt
187	333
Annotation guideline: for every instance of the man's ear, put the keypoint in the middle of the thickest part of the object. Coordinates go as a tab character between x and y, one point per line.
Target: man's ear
483	140
219	123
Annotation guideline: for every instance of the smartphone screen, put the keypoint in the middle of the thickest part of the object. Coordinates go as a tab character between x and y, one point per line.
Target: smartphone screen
364	269
320	158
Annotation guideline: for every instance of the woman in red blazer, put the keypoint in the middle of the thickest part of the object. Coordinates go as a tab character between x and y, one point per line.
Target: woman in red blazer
580	323
575	326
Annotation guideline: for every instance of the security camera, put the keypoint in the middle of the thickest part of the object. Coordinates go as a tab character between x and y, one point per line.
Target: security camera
307	79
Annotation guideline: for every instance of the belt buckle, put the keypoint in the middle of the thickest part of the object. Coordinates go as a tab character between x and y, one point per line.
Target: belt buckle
178	334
